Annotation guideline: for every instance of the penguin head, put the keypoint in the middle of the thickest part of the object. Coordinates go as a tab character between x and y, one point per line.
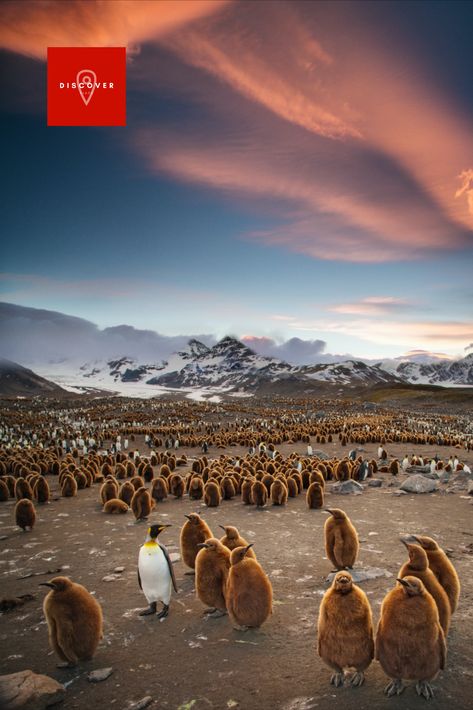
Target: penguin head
58	584
230	531
412	586
155	530
336	513
193	518
239	553
427	543
417	556
342	582
212	544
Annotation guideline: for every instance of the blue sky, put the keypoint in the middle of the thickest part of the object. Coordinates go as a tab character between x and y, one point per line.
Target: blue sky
288	169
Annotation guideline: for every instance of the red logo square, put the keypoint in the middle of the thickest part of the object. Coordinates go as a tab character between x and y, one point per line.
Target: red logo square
86	86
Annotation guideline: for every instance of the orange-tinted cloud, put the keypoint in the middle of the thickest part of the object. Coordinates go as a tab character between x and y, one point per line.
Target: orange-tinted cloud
30	26
439	335
348	85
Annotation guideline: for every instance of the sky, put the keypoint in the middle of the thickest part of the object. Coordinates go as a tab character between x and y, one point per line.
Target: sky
290	171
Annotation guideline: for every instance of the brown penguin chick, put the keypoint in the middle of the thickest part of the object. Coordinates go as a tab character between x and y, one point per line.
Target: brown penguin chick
25	514
115	505
212	496
126	492
249	593
345	630
159	489
259	494
69	486
177	486
41	491
232	539
278	493
298	479
137	482
108	490
317	477
418	566
292	489
23	489
228	488
341	539
267	480
410	643
142	504
441	567
246	491
74	619
193	533
315	495
196	488
4	491
212	565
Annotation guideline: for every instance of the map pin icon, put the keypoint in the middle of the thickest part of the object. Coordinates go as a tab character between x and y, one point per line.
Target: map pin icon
88	78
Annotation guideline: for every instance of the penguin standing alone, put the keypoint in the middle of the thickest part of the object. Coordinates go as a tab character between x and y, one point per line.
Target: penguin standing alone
155	572
341	539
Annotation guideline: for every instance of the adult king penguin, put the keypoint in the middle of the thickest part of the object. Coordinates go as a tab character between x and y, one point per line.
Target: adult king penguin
155	572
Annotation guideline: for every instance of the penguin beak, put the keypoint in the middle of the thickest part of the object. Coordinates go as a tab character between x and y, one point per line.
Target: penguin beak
327	510
188	517
223	527
410	539
47	584
403	582
248	547
202	544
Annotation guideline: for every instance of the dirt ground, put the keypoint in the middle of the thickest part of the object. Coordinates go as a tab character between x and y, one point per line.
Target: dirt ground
186	661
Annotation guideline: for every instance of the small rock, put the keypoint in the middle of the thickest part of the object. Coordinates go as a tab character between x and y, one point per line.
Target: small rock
174	557
418	484
99	675
110	578
347	487
119	570
140	704
469	490
400	493
29	691
375	483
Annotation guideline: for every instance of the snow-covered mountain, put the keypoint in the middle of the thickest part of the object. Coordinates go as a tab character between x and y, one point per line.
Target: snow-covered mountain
438	372
229	366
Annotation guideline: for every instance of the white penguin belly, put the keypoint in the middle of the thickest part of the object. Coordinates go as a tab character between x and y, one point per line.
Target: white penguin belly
154	574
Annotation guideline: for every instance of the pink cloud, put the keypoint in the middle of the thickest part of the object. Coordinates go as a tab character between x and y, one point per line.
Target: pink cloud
371	305
29	27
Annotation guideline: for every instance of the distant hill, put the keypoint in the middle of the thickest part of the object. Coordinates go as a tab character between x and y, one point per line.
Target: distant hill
16	381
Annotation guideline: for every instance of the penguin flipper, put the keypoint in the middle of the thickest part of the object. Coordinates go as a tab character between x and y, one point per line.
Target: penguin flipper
171	568
139	579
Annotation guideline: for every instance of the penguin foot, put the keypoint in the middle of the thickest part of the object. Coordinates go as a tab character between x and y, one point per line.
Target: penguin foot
357	679
150	610
210	610
240	628
217	613
165	611
337	679
424	689
191	574
395	687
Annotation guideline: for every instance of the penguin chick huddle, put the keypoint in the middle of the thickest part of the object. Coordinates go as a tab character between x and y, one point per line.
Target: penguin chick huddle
228	577
410	640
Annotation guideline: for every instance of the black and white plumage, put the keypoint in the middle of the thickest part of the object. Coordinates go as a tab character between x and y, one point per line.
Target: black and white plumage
155	572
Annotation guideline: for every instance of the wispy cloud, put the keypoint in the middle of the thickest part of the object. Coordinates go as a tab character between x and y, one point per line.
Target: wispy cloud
29	27
435	335
372	305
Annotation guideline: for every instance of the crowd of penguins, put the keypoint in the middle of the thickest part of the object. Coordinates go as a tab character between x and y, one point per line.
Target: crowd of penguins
410	641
